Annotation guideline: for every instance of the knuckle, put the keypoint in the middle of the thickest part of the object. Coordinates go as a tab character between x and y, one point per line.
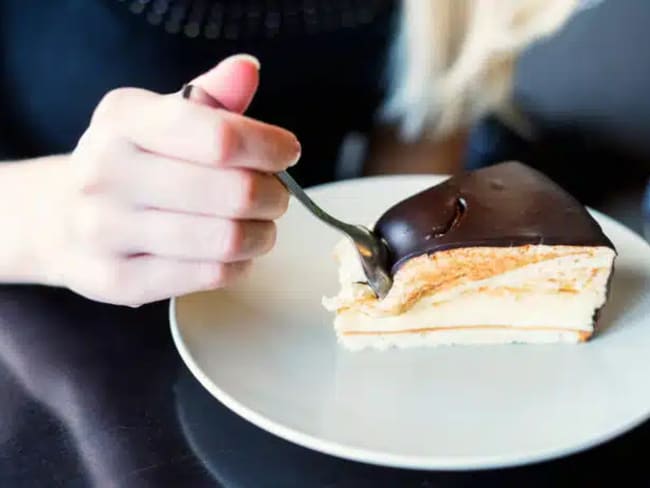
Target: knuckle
283	203
261	238
217	276
97	154
112	278
233	239
243	269
247	192
117	282
271	237
222	275
110	104
225	140
129	298
236	271
97	139
85	141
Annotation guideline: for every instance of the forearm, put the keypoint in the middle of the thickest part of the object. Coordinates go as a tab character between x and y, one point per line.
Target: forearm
29	198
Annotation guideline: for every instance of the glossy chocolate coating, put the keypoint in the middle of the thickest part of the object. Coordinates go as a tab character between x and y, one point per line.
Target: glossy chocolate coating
508	204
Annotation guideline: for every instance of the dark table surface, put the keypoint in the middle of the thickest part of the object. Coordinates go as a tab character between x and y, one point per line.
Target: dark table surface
96	395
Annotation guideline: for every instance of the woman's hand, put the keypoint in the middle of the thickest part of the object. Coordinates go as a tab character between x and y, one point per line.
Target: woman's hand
165	197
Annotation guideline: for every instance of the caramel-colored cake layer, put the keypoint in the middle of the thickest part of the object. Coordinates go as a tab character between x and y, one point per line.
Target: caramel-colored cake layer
445	271
475	295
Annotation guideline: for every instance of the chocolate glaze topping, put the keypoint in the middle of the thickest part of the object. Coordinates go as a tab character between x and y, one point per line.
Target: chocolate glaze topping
508	204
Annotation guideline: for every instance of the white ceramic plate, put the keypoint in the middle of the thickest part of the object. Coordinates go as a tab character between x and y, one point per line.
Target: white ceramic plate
267	350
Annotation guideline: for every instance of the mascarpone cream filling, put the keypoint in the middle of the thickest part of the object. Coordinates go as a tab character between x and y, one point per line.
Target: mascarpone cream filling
475	295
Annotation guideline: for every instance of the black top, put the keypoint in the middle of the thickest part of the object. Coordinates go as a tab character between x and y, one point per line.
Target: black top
322	64
505	205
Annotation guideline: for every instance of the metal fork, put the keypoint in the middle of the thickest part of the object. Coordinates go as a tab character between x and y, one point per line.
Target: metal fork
372	251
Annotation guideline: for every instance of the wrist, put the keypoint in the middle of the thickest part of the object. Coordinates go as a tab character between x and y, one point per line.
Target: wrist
47	240
31	209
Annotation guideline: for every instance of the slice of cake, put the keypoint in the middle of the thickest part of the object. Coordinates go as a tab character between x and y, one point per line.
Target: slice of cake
498	255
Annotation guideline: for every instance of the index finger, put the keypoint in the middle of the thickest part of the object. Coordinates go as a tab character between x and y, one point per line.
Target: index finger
176	128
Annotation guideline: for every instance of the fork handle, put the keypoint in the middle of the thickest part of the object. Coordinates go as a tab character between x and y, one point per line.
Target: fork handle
296	190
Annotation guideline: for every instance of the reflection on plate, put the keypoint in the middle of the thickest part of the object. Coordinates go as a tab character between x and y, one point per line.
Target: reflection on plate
266	349
228	447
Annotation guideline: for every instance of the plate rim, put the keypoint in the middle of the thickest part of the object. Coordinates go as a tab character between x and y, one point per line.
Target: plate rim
374	457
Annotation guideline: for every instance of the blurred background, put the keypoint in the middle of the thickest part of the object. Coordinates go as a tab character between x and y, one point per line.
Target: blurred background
370	87
581	113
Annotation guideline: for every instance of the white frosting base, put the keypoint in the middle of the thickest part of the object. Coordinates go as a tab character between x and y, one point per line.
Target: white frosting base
526	301
456	337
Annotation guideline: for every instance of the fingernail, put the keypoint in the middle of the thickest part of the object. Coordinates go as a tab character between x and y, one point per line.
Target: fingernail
298	149
186	93
248	58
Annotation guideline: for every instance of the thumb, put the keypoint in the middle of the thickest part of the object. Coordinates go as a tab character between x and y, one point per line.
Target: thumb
231	84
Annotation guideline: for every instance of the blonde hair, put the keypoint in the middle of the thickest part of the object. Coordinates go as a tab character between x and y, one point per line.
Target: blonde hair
453	59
